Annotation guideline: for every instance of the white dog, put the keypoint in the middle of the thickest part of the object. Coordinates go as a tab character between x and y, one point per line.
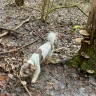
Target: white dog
40	54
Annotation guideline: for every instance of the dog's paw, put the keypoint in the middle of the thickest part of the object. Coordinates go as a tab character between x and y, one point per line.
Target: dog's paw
33	81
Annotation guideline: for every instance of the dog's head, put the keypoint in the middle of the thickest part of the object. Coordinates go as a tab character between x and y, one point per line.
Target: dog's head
26	69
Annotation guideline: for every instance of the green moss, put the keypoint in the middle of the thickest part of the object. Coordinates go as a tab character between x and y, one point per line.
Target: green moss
75	61
89	64
83	63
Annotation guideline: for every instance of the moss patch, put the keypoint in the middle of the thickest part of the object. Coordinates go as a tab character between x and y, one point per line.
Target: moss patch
75	61
89	64
84	64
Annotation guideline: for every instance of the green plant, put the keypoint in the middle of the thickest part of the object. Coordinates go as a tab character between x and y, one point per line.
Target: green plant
46	6
77	27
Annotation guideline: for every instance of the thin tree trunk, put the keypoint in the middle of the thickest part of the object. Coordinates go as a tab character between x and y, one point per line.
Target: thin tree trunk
19	2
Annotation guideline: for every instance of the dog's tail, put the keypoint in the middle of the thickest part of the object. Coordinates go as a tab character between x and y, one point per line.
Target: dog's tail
52	37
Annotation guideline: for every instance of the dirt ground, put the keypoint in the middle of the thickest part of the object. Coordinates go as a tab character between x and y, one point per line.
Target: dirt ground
54	80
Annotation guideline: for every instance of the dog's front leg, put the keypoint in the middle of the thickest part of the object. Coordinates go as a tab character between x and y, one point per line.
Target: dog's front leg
36	74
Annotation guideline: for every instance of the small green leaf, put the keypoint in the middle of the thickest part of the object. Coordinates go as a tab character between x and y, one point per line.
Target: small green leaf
77	27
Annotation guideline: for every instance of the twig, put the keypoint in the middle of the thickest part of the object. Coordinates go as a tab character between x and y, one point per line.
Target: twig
50	11
28	44
3	34
8	3
14	29
33	7
59	49
53	74
22	23
11	30
38	34
24	85
63	61
19	48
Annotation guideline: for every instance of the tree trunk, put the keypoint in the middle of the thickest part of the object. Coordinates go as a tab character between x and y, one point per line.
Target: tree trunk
19	2
89	48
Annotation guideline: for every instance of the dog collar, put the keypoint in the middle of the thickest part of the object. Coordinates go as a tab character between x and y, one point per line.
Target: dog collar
31	61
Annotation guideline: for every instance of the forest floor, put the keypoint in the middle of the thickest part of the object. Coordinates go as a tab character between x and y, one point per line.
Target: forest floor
54	80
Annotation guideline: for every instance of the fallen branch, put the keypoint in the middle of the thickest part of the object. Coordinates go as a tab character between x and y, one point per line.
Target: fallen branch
11	30
4	33
38	34
24	85
1	53
23	22
59	49
50	11
14	29
28	44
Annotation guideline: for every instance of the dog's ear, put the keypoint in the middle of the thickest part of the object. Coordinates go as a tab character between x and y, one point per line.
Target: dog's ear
24	66
32	67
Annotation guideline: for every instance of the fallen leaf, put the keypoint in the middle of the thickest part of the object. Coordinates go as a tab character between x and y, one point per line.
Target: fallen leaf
13	58
61	35
59	69
8	94
11	76
12	66
1	45
2	66
49	86
54	61
27	4
2	80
